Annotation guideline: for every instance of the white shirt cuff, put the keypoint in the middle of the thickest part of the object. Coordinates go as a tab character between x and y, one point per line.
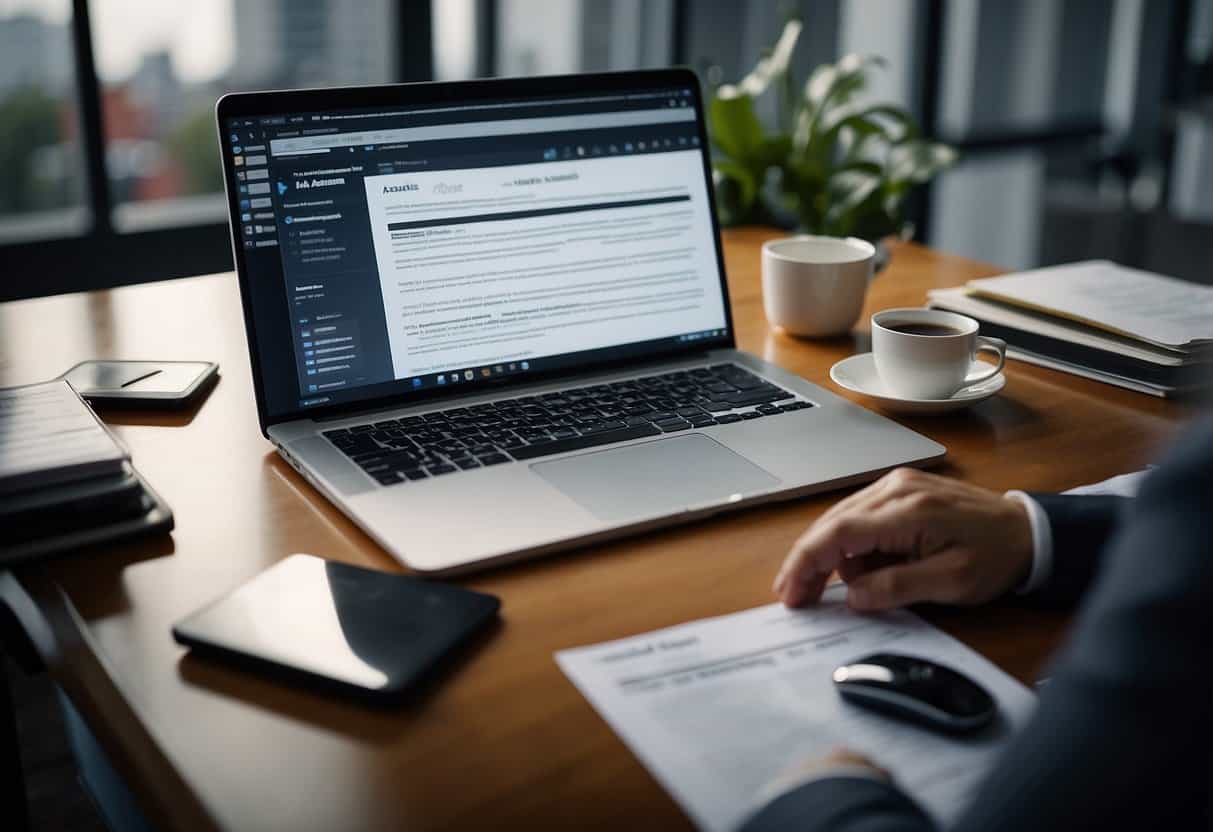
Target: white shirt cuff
785	783
1042	543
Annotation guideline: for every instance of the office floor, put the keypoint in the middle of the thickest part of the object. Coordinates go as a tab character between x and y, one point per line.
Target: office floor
57	801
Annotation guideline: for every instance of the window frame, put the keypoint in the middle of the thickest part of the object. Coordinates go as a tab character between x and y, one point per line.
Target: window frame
103	257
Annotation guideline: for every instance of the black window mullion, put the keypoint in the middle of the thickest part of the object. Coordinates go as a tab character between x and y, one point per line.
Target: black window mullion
929	44
680	13
1176	88
414	40
92	126
486	38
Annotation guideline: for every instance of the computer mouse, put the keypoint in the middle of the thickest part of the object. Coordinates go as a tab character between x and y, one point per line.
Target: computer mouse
917	690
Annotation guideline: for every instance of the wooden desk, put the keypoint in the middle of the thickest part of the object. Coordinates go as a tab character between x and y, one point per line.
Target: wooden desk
504	740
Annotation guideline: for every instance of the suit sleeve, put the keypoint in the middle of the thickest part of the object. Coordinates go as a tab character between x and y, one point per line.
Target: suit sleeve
853	804
1080	526
1120	737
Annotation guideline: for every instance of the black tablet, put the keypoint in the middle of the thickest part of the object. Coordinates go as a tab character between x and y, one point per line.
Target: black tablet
313	621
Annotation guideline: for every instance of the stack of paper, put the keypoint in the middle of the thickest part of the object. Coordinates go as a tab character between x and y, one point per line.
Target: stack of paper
49	435
1099	320
65	481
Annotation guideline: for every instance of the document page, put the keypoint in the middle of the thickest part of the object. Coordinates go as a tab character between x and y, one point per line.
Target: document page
960	300
1159	310
483	265
717	708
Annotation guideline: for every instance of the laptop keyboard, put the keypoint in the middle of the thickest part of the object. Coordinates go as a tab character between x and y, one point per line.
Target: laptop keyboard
462	438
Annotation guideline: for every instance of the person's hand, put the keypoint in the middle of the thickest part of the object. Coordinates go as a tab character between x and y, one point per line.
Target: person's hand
910	537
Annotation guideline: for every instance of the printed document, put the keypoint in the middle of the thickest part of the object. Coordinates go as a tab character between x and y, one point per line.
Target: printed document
1161	311
718	708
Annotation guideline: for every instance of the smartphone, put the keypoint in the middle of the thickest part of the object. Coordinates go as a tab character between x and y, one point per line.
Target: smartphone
145	384
322	623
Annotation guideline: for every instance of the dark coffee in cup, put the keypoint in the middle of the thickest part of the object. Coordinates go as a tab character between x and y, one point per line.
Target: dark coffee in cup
932	367
917	328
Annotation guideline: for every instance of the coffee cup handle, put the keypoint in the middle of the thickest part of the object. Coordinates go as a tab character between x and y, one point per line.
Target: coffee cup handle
996	346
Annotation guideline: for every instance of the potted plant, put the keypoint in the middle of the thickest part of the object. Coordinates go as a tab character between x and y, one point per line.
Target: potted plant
839	165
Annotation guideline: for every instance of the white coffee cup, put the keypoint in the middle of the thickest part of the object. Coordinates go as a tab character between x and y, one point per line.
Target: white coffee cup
816	285
928	353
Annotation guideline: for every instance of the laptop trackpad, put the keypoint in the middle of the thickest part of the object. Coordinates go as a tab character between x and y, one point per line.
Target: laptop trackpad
660	477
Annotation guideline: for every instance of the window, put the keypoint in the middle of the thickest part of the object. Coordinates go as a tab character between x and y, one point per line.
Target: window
503	38
1069	150
41	191
109	166
1092	116
582	36
163	65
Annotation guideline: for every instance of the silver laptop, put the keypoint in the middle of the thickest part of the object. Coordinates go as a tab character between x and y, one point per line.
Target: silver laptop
489	320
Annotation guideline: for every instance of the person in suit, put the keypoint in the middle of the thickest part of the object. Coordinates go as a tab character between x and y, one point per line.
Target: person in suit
1123	734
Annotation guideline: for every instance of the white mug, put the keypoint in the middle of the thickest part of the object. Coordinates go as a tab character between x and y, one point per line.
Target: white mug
928	353
815	285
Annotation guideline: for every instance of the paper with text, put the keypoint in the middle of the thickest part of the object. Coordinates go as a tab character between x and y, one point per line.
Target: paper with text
524	261
717	708
1159	310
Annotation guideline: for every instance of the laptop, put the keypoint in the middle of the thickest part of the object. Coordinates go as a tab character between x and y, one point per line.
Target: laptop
488	320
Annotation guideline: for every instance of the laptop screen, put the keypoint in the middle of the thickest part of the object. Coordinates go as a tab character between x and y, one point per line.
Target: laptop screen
415	250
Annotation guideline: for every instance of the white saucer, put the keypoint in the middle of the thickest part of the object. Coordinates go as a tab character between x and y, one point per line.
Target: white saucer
858	374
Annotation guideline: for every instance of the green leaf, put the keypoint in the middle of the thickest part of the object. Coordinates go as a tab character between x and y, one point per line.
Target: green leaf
775	150
790	103
892	122
848	190
858	146
802	133
836	83
823	145
822	148
743	180
846	184
862	166
917	161
871	222
841	164
828	88
773	65
735	127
